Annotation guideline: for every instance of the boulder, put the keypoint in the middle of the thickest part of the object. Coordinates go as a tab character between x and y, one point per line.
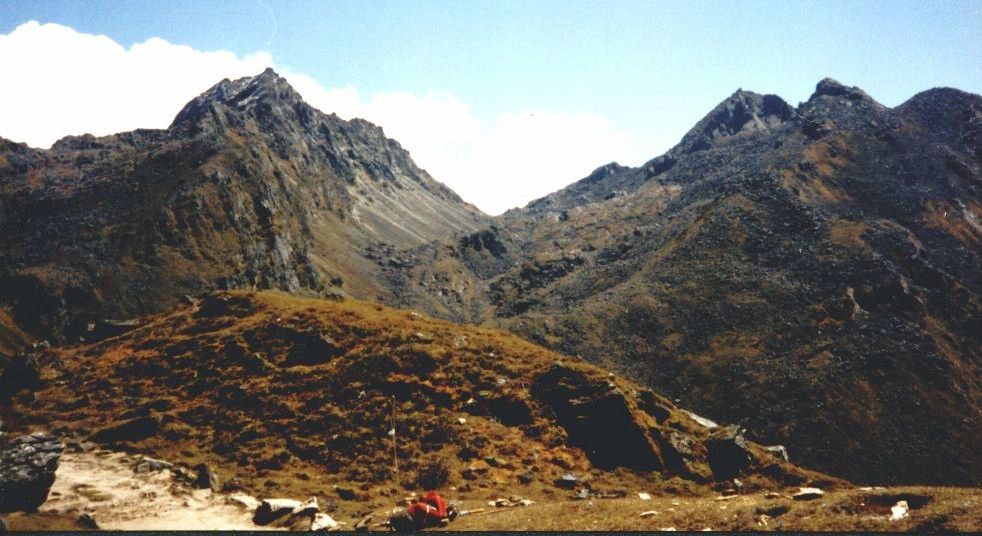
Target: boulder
808	494
778	450
108	328
270	510
346	494
598	419
567	481
206	478
727	452
130	430
324	522
27	471
22	372
151	465
88	521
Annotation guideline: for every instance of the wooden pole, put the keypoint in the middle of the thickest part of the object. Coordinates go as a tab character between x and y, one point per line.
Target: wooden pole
395	451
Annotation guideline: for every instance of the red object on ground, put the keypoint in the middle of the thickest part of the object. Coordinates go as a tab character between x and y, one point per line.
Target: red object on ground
429	511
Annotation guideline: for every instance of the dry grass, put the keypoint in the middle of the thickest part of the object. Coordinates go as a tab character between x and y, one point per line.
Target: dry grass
946	509
231	386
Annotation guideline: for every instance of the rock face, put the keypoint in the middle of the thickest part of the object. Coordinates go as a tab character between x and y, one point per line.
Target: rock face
809	272
249	187
598	419
27	471
728	452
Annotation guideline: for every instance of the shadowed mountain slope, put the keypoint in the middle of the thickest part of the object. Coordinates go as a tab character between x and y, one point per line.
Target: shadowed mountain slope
811	272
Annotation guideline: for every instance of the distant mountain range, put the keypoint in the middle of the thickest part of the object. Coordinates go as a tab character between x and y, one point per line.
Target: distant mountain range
810	272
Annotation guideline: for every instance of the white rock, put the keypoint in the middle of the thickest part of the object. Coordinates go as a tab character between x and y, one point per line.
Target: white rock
701	420
899	511
462	420
649	513
644	496
246	501
324	522
271	509
308	507
807	494
778	450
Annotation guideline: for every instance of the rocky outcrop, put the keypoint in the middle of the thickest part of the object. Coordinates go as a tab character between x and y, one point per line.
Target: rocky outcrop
598	419
27	471
727	452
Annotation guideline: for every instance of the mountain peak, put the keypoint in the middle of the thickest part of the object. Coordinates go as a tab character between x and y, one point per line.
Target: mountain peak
833	88
242	94
743	111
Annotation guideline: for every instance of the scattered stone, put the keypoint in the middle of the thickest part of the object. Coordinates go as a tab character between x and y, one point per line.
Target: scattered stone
364	524
345	494
324	522
772	495
270	510
245	501
726	497
493	461
807	494
510	502
727	452
899	511
644	496
151	465
778	450
649	513
526	478
206	478
131	430
87	521
27	471
701	420
108	328
462	420
419	336
567	481
309	507
473	473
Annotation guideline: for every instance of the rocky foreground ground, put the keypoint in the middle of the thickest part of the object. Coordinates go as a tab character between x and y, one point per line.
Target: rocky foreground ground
98	488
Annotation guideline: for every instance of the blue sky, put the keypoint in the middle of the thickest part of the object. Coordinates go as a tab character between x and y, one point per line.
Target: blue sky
643	71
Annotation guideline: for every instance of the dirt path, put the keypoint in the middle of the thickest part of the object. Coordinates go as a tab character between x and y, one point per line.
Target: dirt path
104	485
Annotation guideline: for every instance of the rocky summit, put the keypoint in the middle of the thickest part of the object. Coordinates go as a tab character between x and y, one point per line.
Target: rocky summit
810	272
249	187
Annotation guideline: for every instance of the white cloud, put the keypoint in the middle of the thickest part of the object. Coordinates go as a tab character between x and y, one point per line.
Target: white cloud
59	82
